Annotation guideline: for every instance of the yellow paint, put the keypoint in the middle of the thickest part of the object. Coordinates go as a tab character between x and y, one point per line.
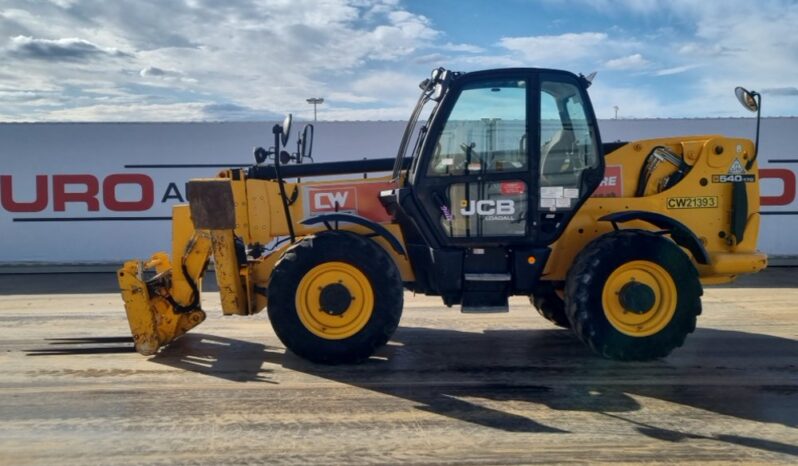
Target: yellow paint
665	296
710	225
323	324
235	300
153	323
241	205
152	319
190	246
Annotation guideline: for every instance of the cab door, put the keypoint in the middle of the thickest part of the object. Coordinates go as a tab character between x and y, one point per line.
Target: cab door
476	183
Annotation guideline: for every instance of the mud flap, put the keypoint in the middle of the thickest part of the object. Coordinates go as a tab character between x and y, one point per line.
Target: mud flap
153	320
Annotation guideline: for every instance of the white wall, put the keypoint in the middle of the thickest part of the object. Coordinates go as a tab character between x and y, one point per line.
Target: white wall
101	150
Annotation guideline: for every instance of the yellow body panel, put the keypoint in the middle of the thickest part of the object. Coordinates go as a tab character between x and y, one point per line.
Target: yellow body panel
708	211
231	289
191	247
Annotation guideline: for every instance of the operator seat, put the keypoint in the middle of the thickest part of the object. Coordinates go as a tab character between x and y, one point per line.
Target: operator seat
554	155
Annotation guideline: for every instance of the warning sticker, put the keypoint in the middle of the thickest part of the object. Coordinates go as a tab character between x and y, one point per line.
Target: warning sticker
736	168
736	174
549	192
547	202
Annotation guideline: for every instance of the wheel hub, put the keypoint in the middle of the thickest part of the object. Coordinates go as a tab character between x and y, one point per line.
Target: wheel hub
335	299
637	297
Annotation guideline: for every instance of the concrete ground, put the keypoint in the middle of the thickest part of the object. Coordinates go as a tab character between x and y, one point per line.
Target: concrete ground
450	388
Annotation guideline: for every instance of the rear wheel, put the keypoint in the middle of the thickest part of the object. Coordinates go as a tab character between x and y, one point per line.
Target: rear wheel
335	298
551	306
633	295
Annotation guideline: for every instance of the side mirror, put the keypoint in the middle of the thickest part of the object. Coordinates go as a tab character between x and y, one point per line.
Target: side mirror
286	129
752	101
306	143
747	99
261	155
285	157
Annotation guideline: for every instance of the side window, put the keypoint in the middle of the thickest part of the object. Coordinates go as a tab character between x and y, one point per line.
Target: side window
485	132
567	144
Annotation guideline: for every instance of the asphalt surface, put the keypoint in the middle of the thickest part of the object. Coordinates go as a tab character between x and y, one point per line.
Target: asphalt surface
449	388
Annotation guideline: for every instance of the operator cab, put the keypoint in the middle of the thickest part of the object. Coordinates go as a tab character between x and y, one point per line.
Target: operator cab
505	160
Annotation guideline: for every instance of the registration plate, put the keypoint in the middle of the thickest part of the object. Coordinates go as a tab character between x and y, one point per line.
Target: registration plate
697	202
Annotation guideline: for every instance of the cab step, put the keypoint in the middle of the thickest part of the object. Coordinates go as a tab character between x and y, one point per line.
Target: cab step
484	302
488	277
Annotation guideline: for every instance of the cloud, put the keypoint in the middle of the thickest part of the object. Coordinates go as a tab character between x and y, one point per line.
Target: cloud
540	50
67	49
154	72
675	70
431	59
260	55
783	91
350	98
183	111
467	48
634	61
614	7
704	50
235	112
92	59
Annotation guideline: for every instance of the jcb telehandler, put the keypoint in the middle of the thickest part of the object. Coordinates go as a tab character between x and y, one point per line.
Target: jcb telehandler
507	190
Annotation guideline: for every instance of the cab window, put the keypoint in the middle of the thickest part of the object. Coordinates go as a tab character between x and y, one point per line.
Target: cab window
567	143
485	132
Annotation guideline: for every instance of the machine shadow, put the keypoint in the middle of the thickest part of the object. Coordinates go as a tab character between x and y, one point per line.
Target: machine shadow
485	378
224	358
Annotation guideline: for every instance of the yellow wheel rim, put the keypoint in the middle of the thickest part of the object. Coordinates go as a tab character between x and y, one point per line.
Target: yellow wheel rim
640	323
321	322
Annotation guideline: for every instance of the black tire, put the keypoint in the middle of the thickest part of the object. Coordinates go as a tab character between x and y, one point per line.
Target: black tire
589	274
549	304
335	246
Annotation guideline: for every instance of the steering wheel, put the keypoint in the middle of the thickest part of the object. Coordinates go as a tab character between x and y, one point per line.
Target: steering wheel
469	154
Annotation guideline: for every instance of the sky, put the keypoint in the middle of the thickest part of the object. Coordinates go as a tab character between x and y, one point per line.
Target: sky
234	60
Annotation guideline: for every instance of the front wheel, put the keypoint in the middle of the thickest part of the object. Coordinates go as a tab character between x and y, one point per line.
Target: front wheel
633	295
335	298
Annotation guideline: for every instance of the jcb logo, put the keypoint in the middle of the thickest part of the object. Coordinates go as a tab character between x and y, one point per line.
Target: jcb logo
344	199
487	207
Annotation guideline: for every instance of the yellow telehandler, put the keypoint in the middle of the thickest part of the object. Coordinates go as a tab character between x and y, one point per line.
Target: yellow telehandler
506	189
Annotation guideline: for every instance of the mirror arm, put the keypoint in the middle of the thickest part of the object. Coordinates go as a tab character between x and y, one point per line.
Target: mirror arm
278	132
758	97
